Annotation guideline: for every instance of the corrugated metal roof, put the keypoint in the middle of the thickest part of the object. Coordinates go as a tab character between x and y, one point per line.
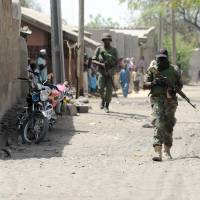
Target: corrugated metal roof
43	22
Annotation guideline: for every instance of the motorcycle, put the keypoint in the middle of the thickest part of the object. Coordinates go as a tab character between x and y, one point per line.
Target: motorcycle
44	102
59	97
33	122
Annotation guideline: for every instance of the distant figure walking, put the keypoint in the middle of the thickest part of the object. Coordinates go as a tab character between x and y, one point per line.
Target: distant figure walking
141	69
42	65
124	79
93	82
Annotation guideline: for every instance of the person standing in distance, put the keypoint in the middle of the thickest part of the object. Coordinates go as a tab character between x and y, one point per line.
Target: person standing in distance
42	65
107	55
163	101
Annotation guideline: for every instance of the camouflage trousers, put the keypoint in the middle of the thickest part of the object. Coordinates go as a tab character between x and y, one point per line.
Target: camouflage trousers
164	119
105	87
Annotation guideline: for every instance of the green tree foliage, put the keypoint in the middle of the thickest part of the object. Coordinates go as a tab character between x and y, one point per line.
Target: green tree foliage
187	10
184	51
99	21
30	4
187	24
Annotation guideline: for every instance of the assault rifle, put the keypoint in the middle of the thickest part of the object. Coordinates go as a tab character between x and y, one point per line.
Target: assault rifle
175	87
102	65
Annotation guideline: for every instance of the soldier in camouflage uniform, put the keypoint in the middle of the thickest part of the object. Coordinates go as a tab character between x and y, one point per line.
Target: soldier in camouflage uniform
108	55
163	101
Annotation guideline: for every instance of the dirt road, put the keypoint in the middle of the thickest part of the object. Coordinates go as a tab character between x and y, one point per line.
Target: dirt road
100	156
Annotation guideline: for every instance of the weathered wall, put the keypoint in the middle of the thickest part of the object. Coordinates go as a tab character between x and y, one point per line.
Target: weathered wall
38	36
128	45
40	39
149	49
194	71
9	56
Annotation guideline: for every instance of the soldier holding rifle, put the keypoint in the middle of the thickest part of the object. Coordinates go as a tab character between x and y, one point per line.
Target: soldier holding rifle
163	101
106	58
164	81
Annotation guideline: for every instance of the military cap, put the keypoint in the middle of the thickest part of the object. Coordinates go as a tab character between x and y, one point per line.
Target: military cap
162	53
106	36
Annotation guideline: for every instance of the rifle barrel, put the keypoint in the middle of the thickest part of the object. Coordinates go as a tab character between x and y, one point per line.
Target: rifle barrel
178	90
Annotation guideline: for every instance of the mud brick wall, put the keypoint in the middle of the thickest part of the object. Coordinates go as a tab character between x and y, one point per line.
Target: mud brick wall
9	56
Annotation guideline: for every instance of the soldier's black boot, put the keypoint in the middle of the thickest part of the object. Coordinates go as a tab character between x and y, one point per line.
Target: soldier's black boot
107	108
102	104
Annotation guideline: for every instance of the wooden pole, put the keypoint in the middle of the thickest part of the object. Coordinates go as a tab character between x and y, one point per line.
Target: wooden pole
57	42
160	43
173	38
70	65
80	61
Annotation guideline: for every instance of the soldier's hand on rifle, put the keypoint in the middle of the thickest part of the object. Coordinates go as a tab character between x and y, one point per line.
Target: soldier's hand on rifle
101	60
103	55
159	82
171	92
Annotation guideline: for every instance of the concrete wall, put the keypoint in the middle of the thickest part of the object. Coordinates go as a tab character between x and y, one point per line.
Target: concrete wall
149	50
40	39
38	36
128	45
195	66
9	55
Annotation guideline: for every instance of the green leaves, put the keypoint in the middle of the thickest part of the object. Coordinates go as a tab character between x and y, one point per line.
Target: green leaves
184	50
99	21
30	4
159	5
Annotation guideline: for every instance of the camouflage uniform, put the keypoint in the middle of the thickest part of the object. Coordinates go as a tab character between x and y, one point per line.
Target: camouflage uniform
105	78
164	104
164	108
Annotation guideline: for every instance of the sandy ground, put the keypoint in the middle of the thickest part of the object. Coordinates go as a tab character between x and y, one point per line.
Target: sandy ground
98	156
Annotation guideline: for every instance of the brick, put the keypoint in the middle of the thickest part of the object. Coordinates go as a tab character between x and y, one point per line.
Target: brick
82	108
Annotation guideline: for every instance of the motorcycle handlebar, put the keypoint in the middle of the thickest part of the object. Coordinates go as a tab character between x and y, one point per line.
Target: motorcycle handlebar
52	86
35	73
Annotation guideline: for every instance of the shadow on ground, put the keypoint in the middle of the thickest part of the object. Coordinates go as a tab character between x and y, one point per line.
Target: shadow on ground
185	157
52	146
122	115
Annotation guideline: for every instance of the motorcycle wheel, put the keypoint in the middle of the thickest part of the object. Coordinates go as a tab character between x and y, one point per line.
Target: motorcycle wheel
35	131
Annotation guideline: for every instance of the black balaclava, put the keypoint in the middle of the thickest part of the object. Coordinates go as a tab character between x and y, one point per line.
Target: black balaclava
162	63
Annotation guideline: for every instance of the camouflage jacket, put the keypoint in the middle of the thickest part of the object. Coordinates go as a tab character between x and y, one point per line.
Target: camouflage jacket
172	73
107	56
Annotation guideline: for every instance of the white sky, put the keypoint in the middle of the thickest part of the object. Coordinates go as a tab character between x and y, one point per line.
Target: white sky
107	8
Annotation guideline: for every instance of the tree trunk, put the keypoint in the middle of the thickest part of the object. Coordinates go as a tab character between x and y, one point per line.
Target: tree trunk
160	42
173	37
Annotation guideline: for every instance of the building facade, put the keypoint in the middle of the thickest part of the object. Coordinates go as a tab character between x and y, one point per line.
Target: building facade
130	42
194	71
9	54
40	38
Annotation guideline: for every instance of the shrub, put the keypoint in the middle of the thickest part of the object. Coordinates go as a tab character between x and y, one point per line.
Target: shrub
184	50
